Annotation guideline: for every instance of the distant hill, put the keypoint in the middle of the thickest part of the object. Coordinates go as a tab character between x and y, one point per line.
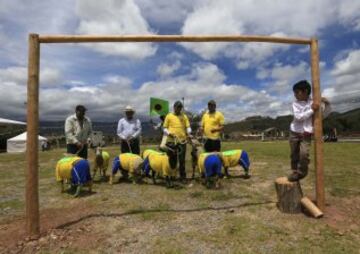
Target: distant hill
346	123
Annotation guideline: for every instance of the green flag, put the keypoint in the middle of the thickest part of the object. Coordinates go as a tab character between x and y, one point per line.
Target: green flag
158	107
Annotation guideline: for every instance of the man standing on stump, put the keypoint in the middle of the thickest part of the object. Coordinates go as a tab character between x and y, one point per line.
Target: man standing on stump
129	130
78	129
212	125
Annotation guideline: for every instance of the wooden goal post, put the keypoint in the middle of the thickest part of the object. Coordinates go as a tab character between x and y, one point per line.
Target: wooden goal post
31	172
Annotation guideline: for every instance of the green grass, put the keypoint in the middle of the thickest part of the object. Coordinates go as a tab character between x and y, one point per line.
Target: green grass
241	217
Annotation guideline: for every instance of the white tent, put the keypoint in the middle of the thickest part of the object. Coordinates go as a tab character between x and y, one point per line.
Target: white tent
18	144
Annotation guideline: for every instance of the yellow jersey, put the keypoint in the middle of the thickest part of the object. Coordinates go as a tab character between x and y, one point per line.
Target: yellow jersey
231	158
212	121
106	158
147	152
129	161
177	125
160	163
64	167
201	161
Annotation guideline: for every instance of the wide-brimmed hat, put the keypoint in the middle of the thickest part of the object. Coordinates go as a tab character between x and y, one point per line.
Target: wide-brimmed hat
128	108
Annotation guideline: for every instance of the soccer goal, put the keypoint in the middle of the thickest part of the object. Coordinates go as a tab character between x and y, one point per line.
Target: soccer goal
35	40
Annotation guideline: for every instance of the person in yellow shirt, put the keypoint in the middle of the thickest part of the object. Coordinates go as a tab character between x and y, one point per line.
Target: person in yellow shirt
212	125
176	131
128	164
76	170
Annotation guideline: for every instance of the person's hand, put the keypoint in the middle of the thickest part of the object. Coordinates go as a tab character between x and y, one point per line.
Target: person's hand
315	106
214	130
79	145
200	131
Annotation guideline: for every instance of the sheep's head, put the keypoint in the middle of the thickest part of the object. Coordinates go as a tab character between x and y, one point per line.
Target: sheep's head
138	165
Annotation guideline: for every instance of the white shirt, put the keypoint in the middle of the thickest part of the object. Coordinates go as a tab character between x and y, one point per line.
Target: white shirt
303	113
73	131
128	128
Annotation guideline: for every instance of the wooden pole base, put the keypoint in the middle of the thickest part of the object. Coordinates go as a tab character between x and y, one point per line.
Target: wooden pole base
289	195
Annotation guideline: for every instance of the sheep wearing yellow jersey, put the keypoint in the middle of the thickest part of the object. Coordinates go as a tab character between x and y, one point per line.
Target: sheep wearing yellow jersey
235	158
158	163
210	166
75	170
101	162
129	165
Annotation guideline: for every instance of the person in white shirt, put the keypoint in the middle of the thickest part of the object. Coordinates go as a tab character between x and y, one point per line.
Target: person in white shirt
129	130
301	129
78	129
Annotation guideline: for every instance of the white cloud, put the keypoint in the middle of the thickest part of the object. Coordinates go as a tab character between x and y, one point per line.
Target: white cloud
282	77
18	76
343	89
166	70
165	12
349	65
106	100
292	18
114	17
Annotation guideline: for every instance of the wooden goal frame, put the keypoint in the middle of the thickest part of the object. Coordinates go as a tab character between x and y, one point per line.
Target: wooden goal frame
32	155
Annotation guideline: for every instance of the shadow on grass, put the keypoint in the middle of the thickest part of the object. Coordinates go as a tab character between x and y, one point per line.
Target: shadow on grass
159	210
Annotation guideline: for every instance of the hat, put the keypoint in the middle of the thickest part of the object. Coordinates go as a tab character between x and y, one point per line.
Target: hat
178	104
128	108
212	102
80	108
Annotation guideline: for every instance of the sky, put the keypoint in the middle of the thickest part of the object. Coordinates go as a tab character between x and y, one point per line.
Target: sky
245	79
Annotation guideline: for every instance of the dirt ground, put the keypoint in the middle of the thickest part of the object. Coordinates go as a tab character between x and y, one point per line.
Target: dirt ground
241	217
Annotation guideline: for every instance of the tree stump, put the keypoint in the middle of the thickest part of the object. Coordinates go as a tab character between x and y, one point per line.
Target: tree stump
289	195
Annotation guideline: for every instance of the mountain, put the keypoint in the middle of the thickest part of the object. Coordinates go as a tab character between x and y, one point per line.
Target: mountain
347	123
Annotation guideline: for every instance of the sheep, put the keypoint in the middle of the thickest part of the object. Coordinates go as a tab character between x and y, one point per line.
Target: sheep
75	170
234	158
127	164
196	150
210	165
158	163
101	162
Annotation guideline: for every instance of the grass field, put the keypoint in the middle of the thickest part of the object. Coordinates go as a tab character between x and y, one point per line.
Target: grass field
241	217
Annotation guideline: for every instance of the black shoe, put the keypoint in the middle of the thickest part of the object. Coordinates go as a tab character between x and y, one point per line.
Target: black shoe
294	177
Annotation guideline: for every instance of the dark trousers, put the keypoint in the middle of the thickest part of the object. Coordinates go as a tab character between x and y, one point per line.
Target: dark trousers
132	147
73	149
178	155
212	145
299	147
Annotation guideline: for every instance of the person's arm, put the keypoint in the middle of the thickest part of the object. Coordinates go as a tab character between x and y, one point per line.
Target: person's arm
166	126
187	125
300	114
201	129
138	127
120	130
69	132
